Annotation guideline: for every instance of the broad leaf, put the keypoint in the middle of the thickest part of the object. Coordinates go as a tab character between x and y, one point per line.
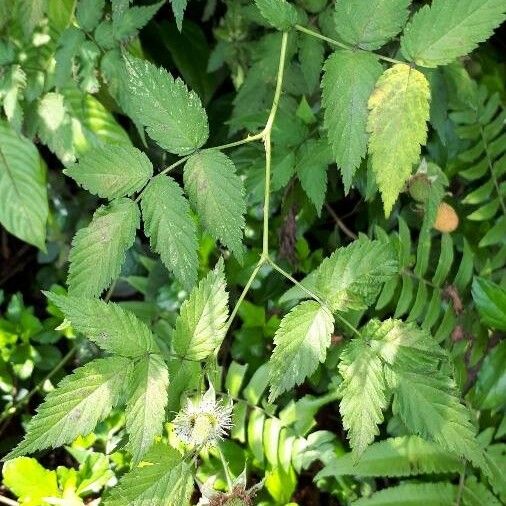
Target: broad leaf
164	479
89	13
311	51
112	171
75	407
447	29
312	160
173	116
301	343
98	250
170	227
145	409
129	21
351	277
217	193
201	324
490	390
109	326
490	299
279	13
394	457
23	195
364	394
369	25
399	110
347	84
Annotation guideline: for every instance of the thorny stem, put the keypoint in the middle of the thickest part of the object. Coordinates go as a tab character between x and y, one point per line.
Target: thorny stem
312	33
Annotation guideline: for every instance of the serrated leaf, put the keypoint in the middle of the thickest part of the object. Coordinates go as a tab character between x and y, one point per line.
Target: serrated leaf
217	194
279	13
201	324
23	194
394	457
414	494
164	479
312	160
98	250
112	171
89	13
108	325
369	25
348	81
397	123
75	407
352	277
131	20
363	393
173	116
447	29
178	8
301	343
311	51
145	408
170	227
69	43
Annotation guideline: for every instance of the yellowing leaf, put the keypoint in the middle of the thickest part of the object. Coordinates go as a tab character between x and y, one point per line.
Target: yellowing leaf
399	110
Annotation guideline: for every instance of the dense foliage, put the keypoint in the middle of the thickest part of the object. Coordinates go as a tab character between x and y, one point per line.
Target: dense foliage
253	252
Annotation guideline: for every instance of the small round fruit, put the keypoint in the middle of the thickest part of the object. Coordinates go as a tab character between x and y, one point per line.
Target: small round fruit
419	187
446	218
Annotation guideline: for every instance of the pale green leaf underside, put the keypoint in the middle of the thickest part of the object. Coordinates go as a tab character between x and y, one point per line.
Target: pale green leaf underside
112	171
348	81
145	409
171	229
23	194
201	324
98	250
448	29
397	123
351	277
173	115
301	343
109	326
279	13
217	194
75	407
165	480
370	24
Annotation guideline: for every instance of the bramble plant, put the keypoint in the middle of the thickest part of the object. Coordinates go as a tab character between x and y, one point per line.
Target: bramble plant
236	338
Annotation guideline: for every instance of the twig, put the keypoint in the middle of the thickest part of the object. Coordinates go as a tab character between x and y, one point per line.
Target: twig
340	223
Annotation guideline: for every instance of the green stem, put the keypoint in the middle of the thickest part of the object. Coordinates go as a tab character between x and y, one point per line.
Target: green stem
333	42
228	476
462	482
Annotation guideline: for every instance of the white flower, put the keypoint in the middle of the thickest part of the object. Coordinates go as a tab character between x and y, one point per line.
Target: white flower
203	421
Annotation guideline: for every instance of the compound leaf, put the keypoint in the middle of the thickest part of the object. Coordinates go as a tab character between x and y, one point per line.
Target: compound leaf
98	250
399	110
170	227
301	343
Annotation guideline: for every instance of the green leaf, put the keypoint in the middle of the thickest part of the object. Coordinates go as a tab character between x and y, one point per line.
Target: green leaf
68	47
301	343
447	29
201	324
112	171
23	194
217	194
313	158
412	494
363	393
31	482
89	13
145	409
347	84
477	494
98	250
279	13
75	407
490	299
369	25
130	21
399	110
490	390
163	480
352	277
178	8
311	51
173	116
394	457
109	326
170	227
